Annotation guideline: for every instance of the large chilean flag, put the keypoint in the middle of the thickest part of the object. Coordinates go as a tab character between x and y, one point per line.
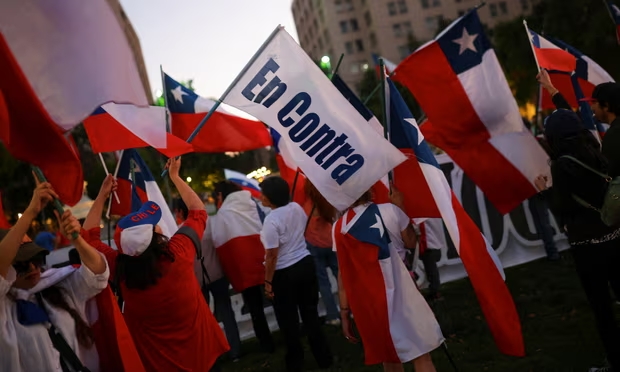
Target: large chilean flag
224	131
427	194
458	82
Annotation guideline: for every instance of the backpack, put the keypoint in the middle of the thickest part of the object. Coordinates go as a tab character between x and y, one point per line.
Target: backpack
610	210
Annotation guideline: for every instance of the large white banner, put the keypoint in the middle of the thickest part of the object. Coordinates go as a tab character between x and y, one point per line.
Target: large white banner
513	236
328	139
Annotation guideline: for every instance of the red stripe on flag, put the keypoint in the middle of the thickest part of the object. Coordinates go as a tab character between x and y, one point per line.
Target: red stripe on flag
409	179
493	295
222	132
289	175
555	59
455	127
242	260
123	191
30	135
563	83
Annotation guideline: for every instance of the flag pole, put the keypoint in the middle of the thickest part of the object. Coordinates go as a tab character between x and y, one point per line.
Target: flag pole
231	86
118	165
38	174
609	11
105	168
385	107
529	38
169	130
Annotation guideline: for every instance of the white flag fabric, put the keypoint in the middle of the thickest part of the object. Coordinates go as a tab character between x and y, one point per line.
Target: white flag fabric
328	138
73	53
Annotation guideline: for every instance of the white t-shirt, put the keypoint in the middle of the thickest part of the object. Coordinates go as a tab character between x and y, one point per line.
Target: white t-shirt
433	228
284	229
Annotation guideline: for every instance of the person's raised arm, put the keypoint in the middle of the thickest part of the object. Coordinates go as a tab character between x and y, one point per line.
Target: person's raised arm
558	99
43	194
190	198
90	257
96	210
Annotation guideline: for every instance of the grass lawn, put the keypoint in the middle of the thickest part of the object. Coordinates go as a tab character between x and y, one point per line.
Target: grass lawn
557	325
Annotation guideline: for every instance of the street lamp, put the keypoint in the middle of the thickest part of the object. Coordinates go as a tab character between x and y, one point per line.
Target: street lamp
326	64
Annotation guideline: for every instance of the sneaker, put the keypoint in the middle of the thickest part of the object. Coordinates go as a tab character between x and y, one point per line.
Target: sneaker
334	322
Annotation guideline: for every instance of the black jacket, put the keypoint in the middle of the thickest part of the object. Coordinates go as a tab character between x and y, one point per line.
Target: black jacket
611	148
570	178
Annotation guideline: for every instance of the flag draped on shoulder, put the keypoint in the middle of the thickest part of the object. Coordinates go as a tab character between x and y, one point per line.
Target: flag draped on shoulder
225	131
328	139
472	114
427	194
136	186
246	183
587	74
114	127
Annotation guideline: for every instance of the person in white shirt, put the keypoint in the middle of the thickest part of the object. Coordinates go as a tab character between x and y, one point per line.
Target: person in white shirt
31	299
290	275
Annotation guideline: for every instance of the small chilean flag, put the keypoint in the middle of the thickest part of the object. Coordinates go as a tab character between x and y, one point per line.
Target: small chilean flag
114	127
135	192
550	56
246	183
224	131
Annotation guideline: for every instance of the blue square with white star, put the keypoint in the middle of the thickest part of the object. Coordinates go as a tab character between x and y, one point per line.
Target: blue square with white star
464	43
369	228
179	99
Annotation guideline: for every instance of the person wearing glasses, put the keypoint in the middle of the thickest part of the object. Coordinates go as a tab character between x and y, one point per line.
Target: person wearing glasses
32	298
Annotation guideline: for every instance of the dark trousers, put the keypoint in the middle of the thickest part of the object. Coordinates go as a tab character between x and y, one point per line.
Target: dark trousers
540	215
253	299
429	259
224	313
296	291
597	265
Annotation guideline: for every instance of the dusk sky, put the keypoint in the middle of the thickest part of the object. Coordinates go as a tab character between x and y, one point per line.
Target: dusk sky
206	40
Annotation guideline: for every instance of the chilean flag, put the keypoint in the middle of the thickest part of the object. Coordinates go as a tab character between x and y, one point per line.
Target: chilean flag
58	63
114	127
288	169
614	11
427	194
246	183
587	73
394	321
223	132
132	193
550	56
235	233
472	114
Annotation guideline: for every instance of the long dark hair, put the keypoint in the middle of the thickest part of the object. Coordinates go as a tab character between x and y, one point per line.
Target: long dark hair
325	210
144	271
54	295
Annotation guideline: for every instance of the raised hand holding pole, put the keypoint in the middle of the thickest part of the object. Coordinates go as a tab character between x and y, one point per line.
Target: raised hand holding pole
40	178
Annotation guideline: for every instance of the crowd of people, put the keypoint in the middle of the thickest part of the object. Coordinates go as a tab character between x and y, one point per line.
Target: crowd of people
276	251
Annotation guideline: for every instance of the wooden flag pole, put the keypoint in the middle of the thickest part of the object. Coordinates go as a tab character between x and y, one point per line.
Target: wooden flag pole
105	168
385	108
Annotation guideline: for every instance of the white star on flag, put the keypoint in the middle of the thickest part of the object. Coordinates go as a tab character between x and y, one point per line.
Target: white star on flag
378	225
466	42
415	124
178	93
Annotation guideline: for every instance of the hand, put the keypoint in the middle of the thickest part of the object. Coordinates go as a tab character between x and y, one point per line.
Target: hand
396	197
174	165
268	291
43	194
69	225
108	186
541	183
347	327
544	80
